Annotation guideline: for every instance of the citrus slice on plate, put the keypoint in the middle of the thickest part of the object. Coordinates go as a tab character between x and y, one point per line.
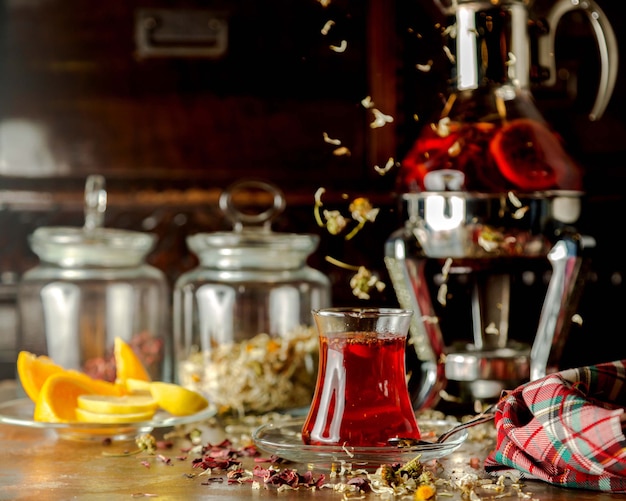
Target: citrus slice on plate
85	416
176	399
113	404
137	386
127	363
33	370
58	398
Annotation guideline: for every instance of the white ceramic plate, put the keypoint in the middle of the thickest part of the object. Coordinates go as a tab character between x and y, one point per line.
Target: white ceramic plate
284	440
20	412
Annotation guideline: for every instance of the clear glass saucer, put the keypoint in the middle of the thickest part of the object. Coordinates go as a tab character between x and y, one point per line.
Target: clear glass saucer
284	440
20	412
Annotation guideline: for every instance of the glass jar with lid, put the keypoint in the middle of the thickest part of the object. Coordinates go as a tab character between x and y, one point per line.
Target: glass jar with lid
243	326
92	284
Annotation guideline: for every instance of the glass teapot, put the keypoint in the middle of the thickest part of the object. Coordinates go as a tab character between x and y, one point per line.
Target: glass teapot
490	136
490	191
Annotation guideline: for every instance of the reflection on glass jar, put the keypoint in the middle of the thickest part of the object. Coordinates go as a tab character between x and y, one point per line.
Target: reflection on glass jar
242	318
92	284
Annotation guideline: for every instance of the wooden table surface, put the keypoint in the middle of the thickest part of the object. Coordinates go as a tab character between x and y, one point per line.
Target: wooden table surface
37	464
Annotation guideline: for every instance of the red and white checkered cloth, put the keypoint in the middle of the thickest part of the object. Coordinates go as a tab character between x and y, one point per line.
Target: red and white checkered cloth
565	429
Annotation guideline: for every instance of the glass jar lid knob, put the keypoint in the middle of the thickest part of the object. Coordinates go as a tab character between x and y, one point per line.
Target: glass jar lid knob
241	220
95	203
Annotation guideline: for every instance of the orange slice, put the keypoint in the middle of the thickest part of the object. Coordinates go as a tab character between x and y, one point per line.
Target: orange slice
177	400
127	363
59	394
33	370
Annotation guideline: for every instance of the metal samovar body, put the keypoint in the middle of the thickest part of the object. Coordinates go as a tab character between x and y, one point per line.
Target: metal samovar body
482	239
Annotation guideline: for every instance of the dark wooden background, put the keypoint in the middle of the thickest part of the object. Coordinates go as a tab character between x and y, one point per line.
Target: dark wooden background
170	133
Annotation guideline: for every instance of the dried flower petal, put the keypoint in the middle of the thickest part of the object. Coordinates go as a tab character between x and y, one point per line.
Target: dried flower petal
425	67
318	204
455	149
264	378
329	24
442	129
380	119
342	151
367	102
318	196
449	54
329	140
514	200
429	319
521	212
445	270
382	171
442	294
341	47
492	329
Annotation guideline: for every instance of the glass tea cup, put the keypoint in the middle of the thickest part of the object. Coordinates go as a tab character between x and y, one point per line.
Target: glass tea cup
361	397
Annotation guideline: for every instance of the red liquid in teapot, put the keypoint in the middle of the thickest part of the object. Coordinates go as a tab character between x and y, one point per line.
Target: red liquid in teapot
361	397
521	154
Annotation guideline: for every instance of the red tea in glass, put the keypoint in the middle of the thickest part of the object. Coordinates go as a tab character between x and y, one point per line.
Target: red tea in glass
361	398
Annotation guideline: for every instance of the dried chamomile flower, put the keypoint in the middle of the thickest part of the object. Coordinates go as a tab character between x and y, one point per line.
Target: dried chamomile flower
425	492
363	282
146	442
335	222
362	212
412	468
490	239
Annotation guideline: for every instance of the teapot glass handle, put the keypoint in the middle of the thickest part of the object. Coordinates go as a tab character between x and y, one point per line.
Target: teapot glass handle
607	46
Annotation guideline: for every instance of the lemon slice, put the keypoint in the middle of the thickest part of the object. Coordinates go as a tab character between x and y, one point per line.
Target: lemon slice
94	417
176	399
109	404
137	386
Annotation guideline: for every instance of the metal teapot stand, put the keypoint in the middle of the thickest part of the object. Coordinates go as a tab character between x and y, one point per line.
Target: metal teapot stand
482	239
